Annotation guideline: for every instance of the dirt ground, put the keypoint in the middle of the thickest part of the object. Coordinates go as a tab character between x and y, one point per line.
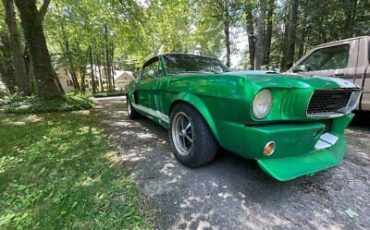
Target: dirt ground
233	193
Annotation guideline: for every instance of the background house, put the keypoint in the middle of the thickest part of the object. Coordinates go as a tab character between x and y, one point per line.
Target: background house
122	78
65	79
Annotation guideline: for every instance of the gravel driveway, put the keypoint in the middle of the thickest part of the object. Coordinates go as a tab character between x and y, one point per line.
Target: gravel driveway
233	193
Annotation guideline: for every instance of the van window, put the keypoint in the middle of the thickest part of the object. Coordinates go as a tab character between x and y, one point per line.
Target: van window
335	57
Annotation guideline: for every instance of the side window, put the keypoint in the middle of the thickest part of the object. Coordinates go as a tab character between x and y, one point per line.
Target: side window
151	71
335	57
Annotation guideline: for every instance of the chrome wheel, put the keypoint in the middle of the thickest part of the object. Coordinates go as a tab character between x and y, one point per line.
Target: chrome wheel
182	134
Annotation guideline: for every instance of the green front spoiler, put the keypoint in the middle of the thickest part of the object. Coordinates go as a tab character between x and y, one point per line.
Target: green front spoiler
288	168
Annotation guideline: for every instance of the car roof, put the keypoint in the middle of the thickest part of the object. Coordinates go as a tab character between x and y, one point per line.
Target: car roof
344	40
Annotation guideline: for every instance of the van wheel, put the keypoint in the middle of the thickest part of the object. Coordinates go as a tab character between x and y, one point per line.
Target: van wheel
193	142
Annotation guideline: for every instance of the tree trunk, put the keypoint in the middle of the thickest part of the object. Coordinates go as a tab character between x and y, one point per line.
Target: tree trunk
304	33
48	84
350	18
6	65
226	21
270	12
250	32
260	35
83	74
227	41
112	67
93	82
29	71
22	80
288	57
100	77
68	55
7	76
107	62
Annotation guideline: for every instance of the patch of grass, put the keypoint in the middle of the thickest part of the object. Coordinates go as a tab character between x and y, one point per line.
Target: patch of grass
57	171
27	105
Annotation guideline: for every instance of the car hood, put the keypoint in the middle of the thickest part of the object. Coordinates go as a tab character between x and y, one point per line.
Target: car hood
276	80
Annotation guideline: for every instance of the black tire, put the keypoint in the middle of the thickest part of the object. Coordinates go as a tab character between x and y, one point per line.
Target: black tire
132	113
204	146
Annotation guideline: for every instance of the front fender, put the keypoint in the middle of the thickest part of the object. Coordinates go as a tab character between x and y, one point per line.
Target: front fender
199	105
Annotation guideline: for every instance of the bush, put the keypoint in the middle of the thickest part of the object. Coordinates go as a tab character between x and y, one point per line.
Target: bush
4	98
3	94
33	104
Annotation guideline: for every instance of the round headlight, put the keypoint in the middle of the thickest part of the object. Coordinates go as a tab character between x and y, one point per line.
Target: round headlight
262	103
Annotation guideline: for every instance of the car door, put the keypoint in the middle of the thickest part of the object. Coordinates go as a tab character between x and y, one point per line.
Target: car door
146	89
365	102
330	61
162	98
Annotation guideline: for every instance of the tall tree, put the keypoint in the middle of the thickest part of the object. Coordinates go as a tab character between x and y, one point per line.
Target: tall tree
108	67
48	85
92	69
226	22
21	78
248	7
223	11
67	53
99	71
350	17
258	58
288	55
268	33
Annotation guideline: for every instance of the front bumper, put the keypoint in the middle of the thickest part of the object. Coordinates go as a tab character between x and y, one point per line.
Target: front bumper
296	152
288	168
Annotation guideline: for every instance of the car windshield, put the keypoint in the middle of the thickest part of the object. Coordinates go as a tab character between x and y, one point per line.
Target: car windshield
180	63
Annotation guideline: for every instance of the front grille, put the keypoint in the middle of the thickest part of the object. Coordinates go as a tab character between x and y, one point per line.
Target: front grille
328	101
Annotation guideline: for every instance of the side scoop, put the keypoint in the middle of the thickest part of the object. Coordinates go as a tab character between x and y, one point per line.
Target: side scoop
288	168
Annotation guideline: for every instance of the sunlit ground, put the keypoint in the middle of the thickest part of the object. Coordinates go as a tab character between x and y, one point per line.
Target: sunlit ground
58	171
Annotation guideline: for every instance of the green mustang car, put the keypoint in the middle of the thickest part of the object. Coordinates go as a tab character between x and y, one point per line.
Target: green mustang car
292	125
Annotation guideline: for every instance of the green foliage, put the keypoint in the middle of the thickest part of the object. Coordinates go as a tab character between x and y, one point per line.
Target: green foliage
26	105
57	171
4	94
137	29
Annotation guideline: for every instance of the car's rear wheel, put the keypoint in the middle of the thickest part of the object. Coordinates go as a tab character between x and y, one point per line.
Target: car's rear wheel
132	113
193	142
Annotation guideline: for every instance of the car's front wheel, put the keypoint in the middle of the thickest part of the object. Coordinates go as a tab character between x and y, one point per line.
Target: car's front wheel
193	142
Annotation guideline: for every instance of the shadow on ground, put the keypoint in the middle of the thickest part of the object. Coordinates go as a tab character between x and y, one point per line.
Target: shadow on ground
361	121
233	193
